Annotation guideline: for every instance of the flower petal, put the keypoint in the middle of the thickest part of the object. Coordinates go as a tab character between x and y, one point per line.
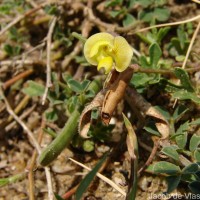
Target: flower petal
91	41
95	48
106	63
123	53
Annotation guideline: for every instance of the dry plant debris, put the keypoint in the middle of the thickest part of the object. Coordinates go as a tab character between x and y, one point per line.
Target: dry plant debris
136	127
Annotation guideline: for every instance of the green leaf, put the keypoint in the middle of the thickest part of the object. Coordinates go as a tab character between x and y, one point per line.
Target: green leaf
66	77
144	62
198	174
188	178
190	169
12	179
144	3
194	142
12	50
3	182
113	3
164	112
151	128
181	140
128	19
72	103
195	187
164	167
50	132
159	14
184	95
184	78
197	155
160	2
168	86
85	84
55	83
179	112
171	152
162	14
162	33
155	54
182	36
146	16
51	115
51	9
75	85
115	13
58	197
140	79
172	183
195	122
34	89
88	179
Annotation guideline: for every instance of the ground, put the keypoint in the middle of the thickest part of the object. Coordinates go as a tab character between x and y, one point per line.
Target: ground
41	43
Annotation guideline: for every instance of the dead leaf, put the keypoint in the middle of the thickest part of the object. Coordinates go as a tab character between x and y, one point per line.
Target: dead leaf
85	118
148	110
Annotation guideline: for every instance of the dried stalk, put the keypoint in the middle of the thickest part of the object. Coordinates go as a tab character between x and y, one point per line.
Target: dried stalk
115	94
20	106
16	78
48	79
18	19
31	165
34	141
148	110
85	118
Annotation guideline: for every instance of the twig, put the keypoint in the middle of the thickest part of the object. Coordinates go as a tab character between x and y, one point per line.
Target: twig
20	62
196	1
68	58
49	39
109	27
39	46
22	104
190	46
78	47
22	116
49	183
70	192
136	68
113	154
30	167
35	143
19	18
168	24
152	155
16	78
111	183
26	129
34	5
188	53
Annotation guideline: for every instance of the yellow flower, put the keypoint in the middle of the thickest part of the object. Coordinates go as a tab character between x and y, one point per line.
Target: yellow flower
105	51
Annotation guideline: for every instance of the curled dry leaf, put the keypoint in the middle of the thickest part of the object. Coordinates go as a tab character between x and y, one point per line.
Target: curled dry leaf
115	93
131	139
85	118
148	110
